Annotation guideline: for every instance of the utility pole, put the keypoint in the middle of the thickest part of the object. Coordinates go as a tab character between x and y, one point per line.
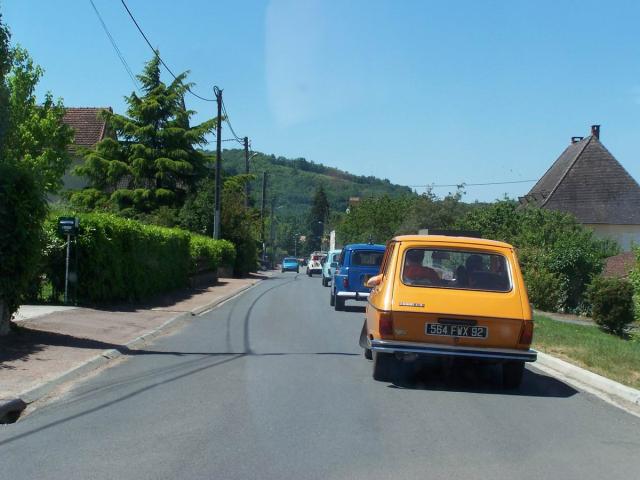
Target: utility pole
246	171
218	211
264	194
272	235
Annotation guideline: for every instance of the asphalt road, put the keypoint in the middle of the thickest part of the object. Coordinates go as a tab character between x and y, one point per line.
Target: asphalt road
273	385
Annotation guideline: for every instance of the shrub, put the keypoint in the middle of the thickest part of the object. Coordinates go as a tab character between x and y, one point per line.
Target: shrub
22	211
634	277
209	254
544	289
611	303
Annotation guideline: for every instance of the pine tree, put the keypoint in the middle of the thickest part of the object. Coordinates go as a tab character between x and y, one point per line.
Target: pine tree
317	218
153	160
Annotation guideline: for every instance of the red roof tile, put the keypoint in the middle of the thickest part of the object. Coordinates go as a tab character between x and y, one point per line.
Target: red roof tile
619	265
89	128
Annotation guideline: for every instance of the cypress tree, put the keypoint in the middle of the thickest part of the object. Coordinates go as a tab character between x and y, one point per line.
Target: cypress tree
151	160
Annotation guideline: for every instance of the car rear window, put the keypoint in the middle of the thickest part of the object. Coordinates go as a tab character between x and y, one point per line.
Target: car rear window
460	269
367	258
290	260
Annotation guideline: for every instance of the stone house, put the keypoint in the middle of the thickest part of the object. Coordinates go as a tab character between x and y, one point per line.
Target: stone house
587	181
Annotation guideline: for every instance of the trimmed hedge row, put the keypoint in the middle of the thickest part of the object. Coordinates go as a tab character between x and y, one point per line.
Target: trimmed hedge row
122	259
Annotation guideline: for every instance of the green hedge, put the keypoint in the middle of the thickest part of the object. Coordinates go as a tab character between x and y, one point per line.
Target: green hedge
209	254
122	259
22	211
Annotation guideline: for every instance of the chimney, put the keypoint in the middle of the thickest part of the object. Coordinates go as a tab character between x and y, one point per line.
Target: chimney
576	139
595	131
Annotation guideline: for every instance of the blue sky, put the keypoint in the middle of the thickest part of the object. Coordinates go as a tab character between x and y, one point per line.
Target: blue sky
418	92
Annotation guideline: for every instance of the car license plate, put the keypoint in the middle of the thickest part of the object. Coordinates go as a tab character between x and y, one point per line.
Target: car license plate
445	330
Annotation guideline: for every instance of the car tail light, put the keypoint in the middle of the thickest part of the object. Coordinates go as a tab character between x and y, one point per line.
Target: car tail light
345	282
526	335
386	324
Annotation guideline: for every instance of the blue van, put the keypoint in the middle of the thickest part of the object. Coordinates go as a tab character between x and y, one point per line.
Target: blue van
355	265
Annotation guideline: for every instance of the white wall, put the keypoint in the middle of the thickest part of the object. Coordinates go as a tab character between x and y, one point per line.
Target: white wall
625	235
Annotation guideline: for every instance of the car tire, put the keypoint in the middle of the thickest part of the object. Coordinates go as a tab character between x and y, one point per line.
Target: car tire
324	282
383	366
308	272
332	299
368	354
512	373
339	303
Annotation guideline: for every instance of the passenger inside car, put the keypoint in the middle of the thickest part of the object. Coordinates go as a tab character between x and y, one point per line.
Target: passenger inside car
415	273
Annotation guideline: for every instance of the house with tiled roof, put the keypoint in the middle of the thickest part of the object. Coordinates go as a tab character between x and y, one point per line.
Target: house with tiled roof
88	129
587	181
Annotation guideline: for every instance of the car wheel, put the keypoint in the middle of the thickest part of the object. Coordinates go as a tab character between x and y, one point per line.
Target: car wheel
368	354
308	272
324	282
282	271
339	303
383	366
512	373
332	299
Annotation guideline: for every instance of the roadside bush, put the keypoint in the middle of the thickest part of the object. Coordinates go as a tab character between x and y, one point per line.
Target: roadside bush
22	211
122	259
209	254
634	278
544	289
611	303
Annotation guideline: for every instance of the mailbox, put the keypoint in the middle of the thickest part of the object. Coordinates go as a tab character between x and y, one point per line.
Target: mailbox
68	225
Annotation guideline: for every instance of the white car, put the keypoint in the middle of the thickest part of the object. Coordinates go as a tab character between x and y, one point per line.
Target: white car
314	265
327	269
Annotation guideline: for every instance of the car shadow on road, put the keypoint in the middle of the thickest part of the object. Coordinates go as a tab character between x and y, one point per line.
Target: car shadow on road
354	308
483	380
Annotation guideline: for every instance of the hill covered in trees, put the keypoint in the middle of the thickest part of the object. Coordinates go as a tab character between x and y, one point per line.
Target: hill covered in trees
292	183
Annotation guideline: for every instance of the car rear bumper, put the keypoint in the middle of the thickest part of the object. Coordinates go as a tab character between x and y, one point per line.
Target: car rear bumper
353	295
393	346
292	269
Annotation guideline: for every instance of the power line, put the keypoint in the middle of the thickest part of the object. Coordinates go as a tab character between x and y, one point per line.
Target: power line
115	46
228	122
158	55
464	184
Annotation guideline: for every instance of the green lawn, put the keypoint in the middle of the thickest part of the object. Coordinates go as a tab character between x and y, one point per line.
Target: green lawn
591	348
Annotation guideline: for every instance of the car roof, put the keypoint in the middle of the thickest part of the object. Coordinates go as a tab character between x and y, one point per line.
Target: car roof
451	239
366	246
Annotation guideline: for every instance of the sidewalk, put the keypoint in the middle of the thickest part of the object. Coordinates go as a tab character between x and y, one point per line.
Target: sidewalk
57	344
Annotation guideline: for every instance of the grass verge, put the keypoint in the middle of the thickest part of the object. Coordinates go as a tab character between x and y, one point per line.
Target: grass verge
591	348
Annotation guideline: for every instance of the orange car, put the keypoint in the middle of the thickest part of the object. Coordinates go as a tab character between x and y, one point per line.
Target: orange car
448	297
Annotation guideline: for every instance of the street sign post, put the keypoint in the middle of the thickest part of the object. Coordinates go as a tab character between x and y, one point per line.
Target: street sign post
68	226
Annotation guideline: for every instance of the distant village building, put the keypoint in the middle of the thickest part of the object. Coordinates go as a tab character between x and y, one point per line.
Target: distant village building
89	128
588	182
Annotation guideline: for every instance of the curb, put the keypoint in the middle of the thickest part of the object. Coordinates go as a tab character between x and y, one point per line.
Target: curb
615	393
15	406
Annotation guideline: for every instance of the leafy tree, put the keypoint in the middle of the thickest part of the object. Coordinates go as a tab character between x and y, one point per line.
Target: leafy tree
375	219
237	223
32	159
153	161
5	67
553	248
35	134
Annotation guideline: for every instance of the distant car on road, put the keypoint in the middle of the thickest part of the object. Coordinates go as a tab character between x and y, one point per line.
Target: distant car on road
329	267
357	263
290	264
451	298
314	264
